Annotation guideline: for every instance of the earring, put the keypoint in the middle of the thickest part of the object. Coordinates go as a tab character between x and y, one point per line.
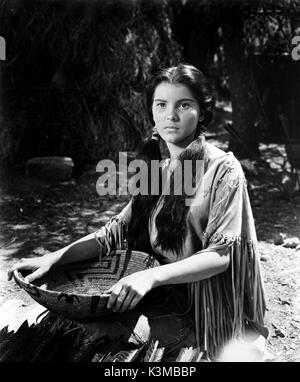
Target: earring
155	134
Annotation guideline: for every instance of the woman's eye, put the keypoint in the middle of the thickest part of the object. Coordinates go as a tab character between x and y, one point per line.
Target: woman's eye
161	105
184	106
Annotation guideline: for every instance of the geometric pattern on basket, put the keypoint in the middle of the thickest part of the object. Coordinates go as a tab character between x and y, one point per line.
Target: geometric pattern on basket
101	274
76	290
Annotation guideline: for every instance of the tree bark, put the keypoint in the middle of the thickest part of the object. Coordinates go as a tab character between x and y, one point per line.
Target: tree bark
242	88
1	114
195	31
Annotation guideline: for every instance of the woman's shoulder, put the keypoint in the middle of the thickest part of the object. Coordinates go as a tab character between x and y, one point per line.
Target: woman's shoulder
221	159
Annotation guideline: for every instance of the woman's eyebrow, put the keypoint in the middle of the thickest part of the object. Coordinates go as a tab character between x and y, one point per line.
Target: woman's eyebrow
180	100
186	99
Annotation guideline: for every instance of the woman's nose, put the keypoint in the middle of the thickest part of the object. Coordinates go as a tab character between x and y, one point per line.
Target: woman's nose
172	115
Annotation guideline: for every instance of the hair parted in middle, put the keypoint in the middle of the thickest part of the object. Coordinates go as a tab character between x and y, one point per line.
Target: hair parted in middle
197	83
171	220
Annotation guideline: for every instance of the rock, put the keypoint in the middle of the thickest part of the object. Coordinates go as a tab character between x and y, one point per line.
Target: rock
55	168
264	258
284	302
291	242
278	331
279	238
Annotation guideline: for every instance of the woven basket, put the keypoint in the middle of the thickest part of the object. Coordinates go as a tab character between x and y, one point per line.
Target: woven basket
76	290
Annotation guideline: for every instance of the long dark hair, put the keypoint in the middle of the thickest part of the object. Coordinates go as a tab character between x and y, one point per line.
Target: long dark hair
171	219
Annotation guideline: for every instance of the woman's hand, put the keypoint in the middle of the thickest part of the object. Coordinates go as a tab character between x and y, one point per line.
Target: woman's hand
39	265
128	291
81	250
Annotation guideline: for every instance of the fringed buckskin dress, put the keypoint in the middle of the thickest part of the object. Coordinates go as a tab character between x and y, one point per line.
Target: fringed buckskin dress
212	311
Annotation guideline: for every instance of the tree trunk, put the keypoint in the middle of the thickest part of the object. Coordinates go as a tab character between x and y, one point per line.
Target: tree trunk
1	115
196	33
242	88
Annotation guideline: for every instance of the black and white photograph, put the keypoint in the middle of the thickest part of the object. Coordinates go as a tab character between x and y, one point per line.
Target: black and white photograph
150	183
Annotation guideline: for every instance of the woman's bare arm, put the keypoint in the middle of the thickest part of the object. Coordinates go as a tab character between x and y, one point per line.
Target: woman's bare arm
82	249
195	268
128	291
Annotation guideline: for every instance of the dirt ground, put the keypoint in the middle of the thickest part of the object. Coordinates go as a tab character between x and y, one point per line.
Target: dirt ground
38	215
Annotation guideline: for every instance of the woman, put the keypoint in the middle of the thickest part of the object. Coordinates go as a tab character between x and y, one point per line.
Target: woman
205	241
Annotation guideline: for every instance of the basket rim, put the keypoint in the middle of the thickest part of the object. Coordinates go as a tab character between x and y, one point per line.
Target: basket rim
17	275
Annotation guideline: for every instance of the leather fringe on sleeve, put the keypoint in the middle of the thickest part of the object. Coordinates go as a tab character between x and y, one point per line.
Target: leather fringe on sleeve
225	303
112	236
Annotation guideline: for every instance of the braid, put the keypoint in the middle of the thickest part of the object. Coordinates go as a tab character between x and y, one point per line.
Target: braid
142	205
171	219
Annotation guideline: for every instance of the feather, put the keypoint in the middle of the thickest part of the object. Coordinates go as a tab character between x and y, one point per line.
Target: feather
198	356
154	354
107	358
150	350
98	357
158	355
127	355
186	355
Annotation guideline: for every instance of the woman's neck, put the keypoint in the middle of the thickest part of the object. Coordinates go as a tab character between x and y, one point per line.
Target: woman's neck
176	149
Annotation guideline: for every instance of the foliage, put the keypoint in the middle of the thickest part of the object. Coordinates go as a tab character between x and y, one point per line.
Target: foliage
268	28
270	31
76	72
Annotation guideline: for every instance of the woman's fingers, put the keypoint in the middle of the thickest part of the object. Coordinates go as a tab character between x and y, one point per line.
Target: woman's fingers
9	274
23	264
134	302
36	274
114	293
120	299
126	303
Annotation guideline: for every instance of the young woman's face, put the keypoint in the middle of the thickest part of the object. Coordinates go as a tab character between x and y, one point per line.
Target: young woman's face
175	113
